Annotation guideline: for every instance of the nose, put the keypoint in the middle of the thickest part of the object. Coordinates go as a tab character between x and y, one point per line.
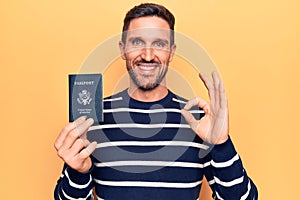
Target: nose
148	53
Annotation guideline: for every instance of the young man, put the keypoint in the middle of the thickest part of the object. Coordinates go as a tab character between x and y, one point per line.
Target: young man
152	144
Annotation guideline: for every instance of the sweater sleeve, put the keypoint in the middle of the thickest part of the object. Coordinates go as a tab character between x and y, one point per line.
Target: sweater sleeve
74	185
227	176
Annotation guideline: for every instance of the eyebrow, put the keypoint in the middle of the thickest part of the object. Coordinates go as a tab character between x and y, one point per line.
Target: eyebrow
162	40
155	40
134	38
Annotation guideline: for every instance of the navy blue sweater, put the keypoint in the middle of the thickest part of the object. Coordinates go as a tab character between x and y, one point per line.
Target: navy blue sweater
147	151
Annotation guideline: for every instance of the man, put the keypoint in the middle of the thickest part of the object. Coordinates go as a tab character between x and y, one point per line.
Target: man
152	144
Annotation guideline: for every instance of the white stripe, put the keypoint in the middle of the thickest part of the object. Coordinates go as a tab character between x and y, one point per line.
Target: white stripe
133	125
196	111
151	163
179	101
115	99
72	198
162	110
248	191
75	185
244	197
219	197
152	143
211	182
225	164
141	110
98	198
230	183
148	184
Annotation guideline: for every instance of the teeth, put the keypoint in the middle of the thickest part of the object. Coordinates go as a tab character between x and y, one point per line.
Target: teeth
146	68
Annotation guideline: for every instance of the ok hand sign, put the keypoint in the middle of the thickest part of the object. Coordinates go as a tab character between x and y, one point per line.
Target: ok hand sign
214	126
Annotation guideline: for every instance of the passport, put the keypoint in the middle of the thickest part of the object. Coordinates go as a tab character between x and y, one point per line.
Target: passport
86	96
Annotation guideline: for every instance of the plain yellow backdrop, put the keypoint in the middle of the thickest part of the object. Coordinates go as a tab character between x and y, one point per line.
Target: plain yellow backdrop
255	45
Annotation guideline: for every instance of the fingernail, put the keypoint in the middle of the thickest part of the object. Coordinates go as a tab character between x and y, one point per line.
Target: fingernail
90	121
95	144
82	118
79	120
91	147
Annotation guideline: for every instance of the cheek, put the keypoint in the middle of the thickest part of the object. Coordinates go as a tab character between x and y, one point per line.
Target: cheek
130	57
164	56
133	52
165	60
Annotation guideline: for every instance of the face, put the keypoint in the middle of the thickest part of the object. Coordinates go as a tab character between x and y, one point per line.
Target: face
147	51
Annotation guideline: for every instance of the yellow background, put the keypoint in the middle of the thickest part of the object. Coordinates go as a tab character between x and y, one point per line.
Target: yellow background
255	45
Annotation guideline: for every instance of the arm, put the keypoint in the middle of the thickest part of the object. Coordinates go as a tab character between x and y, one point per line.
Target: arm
225	174
73	185
75	150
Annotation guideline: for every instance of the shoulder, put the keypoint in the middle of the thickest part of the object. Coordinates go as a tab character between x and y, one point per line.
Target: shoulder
120	94
177	98
182	101
115	99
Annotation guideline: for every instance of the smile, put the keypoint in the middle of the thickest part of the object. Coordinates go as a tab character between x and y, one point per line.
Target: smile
146	68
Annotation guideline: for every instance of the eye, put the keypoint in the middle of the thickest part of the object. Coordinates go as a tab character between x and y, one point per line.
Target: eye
159	44
137	42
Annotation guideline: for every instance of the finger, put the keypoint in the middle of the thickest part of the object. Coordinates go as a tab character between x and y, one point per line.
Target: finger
209	86
198	101
216	79
85	142
76	133
216	82
78	145
65	131
190	104
206	81
86	152
190	119
84	135
223	96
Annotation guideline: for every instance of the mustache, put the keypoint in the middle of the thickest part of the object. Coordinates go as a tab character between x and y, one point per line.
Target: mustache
142	61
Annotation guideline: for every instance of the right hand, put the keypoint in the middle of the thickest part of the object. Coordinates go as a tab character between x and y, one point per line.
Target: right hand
73	147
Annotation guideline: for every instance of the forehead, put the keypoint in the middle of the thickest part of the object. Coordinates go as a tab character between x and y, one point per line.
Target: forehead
149	27
148	22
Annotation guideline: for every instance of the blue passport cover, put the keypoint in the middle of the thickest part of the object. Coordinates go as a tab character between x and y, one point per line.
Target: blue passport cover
86	96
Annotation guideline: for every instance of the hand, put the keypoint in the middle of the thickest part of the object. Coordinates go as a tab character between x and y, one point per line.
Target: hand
214	126
73	147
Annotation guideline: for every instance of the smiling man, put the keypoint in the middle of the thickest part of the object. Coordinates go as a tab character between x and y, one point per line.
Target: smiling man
147	49
152	144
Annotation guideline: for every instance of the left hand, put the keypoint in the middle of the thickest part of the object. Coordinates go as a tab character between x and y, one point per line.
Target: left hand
214	126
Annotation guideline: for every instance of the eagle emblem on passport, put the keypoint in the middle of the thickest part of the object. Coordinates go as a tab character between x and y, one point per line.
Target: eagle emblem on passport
84	97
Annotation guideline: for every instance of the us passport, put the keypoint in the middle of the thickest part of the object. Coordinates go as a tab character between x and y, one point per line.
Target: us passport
86	96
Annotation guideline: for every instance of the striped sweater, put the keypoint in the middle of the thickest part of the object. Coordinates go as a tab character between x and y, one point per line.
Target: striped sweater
147	151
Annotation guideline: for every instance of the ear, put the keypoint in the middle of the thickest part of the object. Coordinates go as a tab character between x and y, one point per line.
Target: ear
122	50
172	52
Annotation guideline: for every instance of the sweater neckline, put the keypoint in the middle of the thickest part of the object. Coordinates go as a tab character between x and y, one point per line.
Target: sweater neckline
145	104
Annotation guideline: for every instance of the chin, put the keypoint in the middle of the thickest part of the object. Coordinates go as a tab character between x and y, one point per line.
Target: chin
148	87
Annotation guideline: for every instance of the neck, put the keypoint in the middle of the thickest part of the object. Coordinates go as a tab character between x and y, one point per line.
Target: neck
155	94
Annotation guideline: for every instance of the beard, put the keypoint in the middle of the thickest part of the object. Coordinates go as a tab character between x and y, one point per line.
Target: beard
153	81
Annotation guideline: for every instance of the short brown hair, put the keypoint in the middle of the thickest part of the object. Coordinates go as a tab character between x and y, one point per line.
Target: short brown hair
148	9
